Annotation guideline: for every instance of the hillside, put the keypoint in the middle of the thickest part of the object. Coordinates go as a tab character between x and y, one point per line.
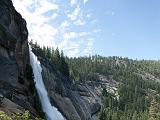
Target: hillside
125	88
130	89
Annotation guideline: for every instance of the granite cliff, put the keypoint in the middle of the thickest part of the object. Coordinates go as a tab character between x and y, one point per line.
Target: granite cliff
15	92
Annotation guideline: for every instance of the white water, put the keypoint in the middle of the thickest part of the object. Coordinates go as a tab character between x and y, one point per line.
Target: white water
51	112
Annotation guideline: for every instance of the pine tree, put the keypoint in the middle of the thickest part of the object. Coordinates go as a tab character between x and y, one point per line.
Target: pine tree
63	65
48	53
57	58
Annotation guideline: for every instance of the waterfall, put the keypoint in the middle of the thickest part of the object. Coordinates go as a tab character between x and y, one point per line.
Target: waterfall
50	111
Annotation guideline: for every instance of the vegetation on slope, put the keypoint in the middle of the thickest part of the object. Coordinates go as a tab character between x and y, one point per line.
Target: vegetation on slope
17	116
139	90
54	56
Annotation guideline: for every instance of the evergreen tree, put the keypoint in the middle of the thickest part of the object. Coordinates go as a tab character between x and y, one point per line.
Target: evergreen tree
48	53
63	65
57	58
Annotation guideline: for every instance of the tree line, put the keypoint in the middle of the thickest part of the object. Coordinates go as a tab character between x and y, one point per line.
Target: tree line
54	56
138	95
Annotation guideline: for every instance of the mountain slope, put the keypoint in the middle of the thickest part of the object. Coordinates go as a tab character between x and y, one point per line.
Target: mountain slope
127	87
119	85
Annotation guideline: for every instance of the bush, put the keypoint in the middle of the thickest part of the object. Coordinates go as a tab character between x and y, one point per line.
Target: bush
17	116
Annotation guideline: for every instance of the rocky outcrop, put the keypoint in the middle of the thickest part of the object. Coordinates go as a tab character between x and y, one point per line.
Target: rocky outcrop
13	34
9	107
14	57
74	103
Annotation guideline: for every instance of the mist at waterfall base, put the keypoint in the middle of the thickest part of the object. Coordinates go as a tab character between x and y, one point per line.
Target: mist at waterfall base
50	111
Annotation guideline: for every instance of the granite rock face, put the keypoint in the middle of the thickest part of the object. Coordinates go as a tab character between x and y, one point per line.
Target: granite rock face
14	56
75	102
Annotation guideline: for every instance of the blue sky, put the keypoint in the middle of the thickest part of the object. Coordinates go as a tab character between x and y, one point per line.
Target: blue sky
128	28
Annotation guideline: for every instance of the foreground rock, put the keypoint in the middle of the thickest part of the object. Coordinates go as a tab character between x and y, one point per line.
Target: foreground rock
9	107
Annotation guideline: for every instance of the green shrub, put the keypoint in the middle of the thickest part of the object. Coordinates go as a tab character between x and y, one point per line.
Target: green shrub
17	116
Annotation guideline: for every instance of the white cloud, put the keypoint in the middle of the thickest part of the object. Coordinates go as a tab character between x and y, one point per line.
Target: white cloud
46	36
54	16
73	2
39	28
70	35
79	22
89	47
47	29
73	53
85	1
82	34
93	21
73	16
45	6
112	13
71	47
65	24
96	30
89	15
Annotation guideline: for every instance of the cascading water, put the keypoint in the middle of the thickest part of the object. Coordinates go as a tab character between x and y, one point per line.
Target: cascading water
51	112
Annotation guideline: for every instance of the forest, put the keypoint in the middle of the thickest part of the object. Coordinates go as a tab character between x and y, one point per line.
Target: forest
139	90
138	95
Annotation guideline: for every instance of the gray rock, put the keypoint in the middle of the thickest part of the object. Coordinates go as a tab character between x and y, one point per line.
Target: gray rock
14	57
